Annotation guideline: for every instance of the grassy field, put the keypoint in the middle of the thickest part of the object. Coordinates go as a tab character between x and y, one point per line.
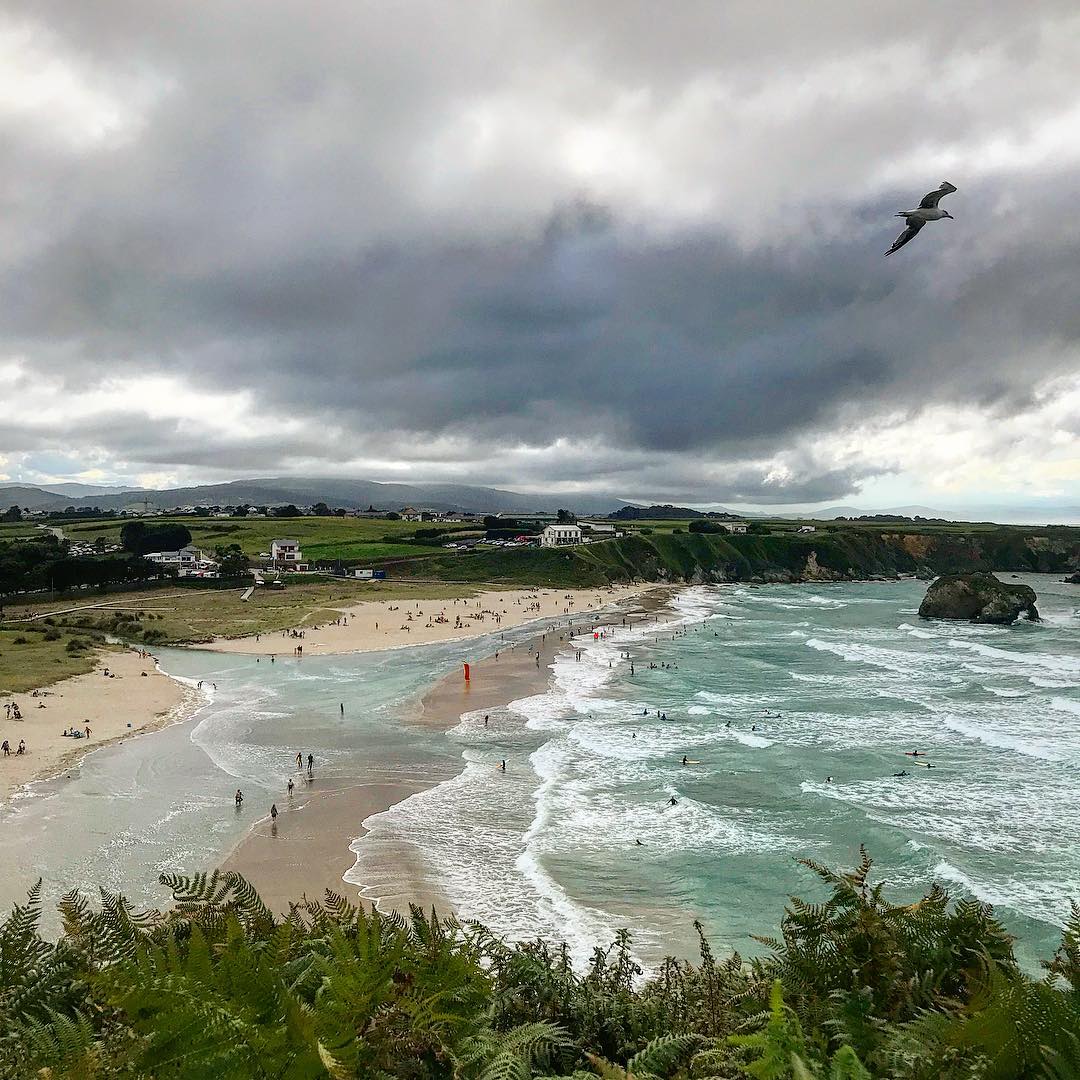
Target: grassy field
16	530
30	659
351	550
174	616
320	537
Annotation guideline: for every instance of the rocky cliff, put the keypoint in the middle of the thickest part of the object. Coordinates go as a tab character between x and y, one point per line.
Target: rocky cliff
979	598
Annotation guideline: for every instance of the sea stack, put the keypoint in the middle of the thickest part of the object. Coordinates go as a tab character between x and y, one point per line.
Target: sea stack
978	598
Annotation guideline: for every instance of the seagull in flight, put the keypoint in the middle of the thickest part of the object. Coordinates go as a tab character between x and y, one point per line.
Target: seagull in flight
927	210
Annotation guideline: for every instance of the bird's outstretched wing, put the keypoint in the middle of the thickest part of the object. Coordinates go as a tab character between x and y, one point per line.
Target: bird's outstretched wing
913	226
932	198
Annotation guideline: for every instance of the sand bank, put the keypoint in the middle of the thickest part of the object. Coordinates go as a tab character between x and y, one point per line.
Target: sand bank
390	624
113	708
308	849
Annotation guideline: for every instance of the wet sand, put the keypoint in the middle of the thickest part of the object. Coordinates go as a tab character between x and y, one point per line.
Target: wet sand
308	851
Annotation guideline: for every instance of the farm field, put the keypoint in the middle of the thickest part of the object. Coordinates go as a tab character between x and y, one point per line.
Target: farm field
319	537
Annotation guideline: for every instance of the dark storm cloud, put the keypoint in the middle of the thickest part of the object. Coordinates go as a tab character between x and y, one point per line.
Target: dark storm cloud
327	206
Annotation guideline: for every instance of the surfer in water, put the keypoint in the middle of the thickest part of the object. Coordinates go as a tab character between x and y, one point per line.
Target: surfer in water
673	801
685	760
904	773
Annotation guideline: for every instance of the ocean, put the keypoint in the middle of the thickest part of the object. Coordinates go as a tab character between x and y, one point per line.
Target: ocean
851	679
793	704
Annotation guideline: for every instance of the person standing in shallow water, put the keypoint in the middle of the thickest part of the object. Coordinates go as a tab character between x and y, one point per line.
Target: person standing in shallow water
299	760
310	762
239	798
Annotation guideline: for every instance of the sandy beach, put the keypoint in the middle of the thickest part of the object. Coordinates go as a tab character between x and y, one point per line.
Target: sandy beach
113	706
381	624
308	851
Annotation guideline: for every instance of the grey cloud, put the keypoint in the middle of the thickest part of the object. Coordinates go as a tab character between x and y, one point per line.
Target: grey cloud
308	210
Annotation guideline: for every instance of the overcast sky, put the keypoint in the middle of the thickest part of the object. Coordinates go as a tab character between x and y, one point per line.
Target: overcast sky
621	247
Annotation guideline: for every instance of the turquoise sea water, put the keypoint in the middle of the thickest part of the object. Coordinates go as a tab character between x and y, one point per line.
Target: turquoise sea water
550	847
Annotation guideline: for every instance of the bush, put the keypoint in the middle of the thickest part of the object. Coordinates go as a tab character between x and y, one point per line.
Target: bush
20	640
52	635
76	645
853	988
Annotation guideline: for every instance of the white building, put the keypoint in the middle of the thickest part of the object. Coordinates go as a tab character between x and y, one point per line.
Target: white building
559	535
807	528
735	526
602	528
286	555
187	562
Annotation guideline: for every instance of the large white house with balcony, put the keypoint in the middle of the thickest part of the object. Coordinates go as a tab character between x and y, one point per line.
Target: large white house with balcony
286	555
560	535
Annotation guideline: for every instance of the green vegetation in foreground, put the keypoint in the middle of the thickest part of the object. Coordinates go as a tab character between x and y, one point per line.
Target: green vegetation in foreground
174	614
218	987
31	658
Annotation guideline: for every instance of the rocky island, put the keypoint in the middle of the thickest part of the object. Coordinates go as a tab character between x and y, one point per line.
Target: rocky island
978	598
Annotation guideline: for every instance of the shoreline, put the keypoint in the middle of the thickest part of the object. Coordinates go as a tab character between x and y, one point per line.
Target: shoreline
382	625
314	843
137	697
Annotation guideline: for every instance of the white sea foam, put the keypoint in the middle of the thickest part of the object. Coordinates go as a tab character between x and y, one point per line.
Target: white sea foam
1059	665
1003	740
1039	898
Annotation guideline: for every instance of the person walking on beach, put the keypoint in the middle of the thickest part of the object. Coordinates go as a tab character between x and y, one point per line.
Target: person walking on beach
273	811
299	760
239	798
289	787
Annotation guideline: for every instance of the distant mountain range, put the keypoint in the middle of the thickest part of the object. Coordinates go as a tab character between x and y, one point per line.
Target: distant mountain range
304	491
71	490
360	494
